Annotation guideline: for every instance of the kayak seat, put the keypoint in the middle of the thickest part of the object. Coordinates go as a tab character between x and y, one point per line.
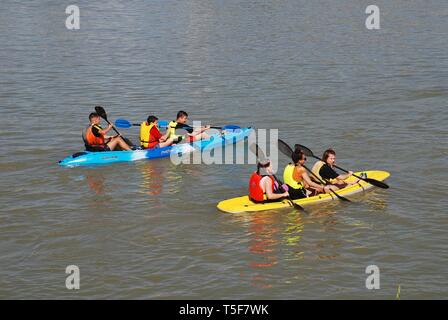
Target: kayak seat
78	154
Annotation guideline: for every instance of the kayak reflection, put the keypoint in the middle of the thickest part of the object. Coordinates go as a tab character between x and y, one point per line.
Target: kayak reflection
152	173
269	233
96	183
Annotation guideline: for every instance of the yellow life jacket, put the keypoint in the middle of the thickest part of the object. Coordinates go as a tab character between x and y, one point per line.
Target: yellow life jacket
316	168
172	130
145	130
289	179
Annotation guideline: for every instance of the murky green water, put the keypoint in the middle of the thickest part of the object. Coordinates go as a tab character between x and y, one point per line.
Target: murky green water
150	229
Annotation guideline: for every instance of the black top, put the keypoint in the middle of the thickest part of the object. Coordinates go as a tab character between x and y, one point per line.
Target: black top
327	173
96	131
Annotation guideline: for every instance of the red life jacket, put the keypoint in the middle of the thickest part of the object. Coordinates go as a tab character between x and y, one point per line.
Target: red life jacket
255	191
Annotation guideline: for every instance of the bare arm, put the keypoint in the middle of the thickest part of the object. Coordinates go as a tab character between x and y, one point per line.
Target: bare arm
164	137
105	131
270	194
344	176
307	179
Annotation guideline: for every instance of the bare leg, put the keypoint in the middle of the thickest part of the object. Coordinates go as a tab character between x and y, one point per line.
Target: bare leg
166	143
332	187
118	141
201	136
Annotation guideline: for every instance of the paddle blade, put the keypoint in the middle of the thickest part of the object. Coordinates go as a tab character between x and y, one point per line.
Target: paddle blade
284	148
255	149
304	149
163	123
123	123
231	127
297	206
101	112
186	127
341	197
376	183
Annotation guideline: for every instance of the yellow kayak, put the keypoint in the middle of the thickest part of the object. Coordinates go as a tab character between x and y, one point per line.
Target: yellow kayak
243	204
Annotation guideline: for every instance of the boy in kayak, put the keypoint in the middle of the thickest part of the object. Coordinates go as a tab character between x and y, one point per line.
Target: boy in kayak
325	170
181	122
95	138
150	136
262	185
297	179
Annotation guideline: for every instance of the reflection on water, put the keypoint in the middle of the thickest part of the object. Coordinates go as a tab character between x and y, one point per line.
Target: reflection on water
152	177
292	236
327	248
98	196
96	183
263	230
273	237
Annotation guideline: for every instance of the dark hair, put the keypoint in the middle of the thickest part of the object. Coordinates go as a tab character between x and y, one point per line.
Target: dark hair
181	114
327	154
297	155
263	165
93	115
151	119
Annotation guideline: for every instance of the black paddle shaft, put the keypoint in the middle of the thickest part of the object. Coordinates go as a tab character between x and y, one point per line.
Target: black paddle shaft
373	182
102	113
286	150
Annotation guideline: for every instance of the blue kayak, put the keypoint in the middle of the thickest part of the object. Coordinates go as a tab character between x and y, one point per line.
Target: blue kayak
86	158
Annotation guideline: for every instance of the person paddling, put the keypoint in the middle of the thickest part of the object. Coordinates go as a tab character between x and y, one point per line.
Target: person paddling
325	170
262	185
95	138
150	135
180	122
297	179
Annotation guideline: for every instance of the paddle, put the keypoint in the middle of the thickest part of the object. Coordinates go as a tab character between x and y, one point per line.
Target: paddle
102	113
287	151
226	127
260	155
125	124
373	182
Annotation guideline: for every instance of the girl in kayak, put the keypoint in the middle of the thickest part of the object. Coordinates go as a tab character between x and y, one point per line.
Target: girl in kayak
95	138
297	179
150	136
325	170
262	185
180	123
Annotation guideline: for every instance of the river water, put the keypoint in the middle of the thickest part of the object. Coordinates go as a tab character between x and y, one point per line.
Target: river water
150	229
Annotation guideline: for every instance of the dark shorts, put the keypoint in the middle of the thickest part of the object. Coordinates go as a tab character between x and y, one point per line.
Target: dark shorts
98	149
296	193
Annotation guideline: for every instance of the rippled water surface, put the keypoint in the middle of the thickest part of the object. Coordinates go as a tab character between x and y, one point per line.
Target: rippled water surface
150	229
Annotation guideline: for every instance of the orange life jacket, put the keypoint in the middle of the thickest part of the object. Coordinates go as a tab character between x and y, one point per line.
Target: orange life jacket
255	191
93	140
